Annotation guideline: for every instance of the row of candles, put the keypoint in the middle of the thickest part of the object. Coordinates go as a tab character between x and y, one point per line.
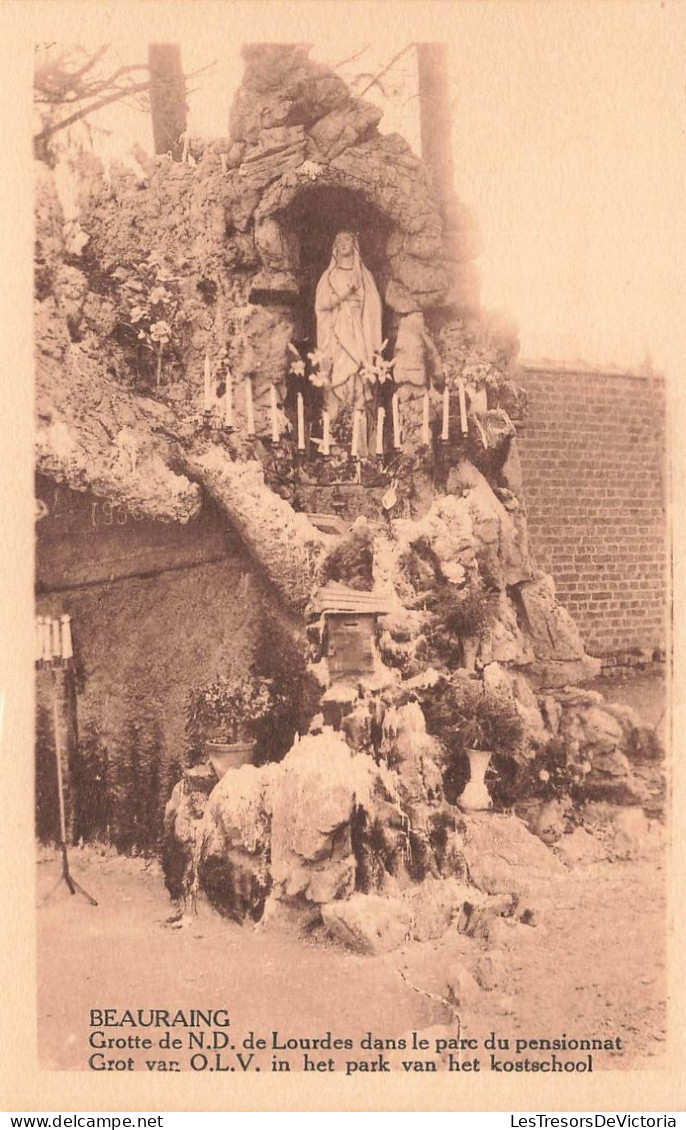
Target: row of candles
53	640
357	444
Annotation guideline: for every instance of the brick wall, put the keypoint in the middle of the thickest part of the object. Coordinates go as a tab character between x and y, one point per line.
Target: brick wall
592	451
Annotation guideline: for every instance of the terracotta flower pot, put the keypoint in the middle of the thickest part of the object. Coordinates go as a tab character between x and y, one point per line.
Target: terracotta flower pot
229	755
475	796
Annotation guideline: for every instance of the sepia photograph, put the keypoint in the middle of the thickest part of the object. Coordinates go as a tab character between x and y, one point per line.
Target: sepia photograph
354	331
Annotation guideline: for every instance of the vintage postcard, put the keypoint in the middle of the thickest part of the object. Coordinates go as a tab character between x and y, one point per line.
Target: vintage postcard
340	730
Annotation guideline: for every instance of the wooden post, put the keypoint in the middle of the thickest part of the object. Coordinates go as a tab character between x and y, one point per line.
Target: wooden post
435	123
167	98
435	120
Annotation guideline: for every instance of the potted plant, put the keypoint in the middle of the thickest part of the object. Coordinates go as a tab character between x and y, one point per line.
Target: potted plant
221	717
462	615
475	722
478	355
552	783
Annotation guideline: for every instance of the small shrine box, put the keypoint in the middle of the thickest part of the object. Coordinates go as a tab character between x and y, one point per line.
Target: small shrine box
350	629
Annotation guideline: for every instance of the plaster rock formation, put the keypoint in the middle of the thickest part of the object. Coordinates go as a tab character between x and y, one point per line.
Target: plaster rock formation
287	547
560	653
368	923
306	833
171	302
504	858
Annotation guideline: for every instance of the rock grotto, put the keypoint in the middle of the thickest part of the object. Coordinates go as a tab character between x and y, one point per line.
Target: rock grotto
183	360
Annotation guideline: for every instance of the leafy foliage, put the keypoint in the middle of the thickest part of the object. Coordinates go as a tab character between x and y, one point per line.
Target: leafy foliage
458	611
467	715
461	610
281	658
551	775
227	708
352	561
119	789
152	313
377	371
137	790
479	353
93	794
421	567
464	715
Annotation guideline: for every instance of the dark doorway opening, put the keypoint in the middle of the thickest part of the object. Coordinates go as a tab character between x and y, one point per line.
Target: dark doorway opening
315	217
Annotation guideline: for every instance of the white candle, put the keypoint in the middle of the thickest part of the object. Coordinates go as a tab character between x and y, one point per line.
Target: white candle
228	400
380	417
301	422
207	391
249	413
396	422
463	407
326	426
56	646
67	648
39	638
353	443
425	419
445	432
274	414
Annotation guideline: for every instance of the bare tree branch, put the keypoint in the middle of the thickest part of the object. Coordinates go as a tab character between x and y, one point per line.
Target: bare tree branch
351	58
116	96
90	63
56	85
381	73
373	81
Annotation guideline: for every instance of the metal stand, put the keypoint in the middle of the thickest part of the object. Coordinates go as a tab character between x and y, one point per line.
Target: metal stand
74	887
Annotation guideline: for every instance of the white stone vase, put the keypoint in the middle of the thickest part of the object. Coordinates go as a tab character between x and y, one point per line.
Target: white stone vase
478	397
475	796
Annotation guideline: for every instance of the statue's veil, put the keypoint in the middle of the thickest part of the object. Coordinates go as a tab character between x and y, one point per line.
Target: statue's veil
327	318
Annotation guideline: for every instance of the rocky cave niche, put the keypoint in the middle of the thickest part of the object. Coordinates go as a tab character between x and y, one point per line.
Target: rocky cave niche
309	226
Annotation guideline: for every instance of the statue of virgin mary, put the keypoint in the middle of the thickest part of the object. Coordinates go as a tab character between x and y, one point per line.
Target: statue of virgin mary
348	310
